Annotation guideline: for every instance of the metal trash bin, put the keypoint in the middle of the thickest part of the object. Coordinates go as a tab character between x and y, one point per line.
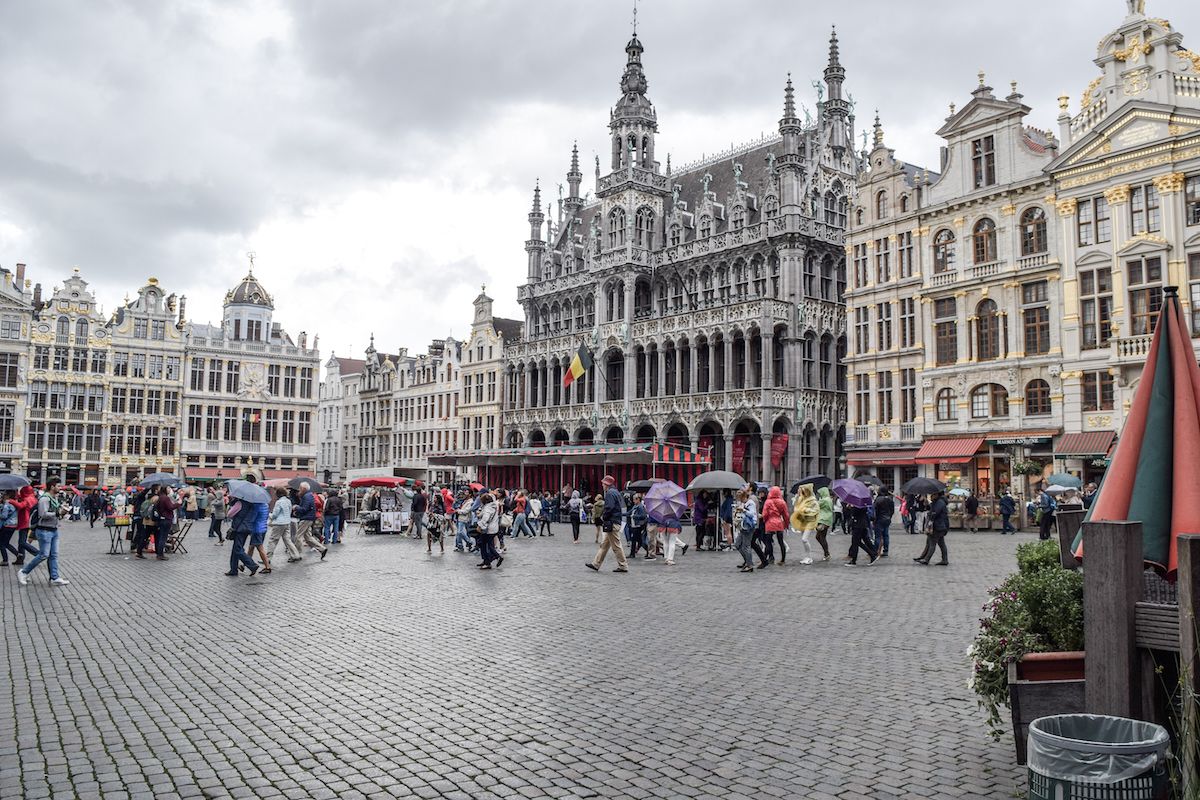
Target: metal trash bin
1077	756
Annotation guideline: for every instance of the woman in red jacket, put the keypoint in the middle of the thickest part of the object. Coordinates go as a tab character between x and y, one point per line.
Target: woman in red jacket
775	520
23	503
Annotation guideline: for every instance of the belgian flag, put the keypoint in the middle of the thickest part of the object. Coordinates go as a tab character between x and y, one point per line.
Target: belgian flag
580	364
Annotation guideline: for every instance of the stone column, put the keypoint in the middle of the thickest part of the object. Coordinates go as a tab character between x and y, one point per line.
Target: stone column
1169	186
727	380
693	367
768	360
728	437
630	284
662	371
629	374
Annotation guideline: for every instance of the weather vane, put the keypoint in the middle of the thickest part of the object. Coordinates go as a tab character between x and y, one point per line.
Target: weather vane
635	2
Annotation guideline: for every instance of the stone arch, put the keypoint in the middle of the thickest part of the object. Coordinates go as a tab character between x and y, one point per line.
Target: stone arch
711	436
584	436
614	434
645	434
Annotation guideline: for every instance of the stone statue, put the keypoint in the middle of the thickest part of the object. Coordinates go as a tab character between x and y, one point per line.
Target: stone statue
864	137
850	100
707	179
771	163
737	174
807	116
820	87
675	190
1136	6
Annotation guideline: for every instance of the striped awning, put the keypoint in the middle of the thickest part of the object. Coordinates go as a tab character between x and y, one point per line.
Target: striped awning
869	458
1092	444
949	451
619	452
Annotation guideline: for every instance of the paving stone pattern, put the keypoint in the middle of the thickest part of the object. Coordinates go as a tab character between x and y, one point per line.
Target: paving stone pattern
382	672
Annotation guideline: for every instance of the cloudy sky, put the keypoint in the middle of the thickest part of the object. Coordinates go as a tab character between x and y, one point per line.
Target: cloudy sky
379	155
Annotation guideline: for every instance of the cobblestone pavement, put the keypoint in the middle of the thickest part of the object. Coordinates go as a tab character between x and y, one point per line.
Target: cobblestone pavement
383	672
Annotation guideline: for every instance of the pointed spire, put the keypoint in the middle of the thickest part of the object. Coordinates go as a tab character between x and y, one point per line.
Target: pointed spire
575	157
878	130
537	196
789	99
833	48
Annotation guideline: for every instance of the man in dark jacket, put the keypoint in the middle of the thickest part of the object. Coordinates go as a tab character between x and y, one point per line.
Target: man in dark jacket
1008	506
939	524
420	503
244	519
333	517
885	508
305	513
859	524
610	520
971	506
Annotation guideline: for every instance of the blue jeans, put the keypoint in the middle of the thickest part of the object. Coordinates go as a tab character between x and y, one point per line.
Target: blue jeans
418	521
331	528
238	553
521	523
883	536
47	550
1008	526
462	540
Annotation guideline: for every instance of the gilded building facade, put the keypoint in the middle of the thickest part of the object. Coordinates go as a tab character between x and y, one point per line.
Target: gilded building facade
16	323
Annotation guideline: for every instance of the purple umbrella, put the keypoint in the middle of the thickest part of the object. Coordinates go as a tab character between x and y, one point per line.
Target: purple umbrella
666	502
852	492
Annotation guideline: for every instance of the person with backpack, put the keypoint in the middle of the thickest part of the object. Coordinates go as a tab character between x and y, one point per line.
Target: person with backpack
243	523
611	512
1008	507
45	519
1045	514
939	526
885	508
14	519
305	513
745	521
639	518
824	519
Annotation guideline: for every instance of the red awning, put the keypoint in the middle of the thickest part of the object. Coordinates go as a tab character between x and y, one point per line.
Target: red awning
870	458
206	473
1093	444
949	451
285	474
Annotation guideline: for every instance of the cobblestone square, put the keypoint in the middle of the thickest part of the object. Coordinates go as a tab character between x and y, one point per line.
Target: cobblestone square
383	672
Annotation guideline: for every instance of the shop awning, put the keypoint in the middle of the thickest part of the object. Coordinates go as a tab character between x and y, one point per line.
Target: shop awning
869	458
1093	444
949	451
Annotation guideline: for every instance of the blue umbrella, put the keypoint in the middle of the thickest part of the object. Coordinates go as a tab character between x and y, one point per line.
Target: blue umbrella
666	502
852	492
250	492
160	479
10	482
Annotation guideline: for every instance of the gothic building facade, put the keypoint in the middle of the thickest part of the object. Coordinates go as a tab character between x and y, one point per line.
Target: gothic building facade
709	296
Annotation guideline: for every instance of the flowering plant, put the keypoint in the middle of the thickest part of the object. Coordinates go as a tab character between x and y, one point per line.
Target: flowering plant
1036	610
1030	468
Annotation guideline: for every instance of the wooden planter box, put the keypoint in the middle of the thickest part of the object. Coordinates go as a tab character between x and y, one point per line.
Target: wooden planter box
1041	685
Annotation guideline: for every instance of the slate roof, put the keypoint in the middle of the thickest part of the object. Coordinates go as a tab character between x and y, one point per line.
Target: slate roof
510	329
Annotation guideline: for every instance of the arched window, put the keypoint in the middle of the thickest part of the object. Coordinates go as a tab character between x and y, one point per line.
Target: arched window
1037	398
1033	231
881	204
81	331
943	250
676	233
616	228
830	208
705	226
947	408
989	400
858	216
987	331
903	203
738	220
771	207
578	314
645	228
63	334
983	238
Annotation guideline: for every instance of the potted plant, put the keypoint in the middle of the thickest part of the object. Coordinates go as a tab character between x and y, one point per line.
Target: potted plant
1028	653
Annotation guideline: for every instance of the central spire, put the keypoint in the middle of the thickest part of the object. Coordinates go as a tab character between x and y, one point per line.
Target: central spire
633	81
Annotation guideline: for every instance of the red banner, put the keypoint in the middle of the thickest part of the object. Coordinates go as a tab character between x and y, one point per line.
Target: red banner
706	448
779	445
739	454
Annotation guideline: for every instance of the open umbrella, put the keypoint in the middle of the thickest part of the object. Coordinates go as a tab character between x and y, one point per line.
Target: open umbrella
10	482
817	482
869	479
160	479
1065	480
1152	475
717	479
959	492
477	487
923	486
250	492
666	502
852	492
313	483
643	485
1055	489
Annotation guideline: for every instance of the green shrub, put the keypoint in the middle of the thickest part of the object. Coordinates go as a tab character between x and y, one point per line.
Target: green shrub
1036	556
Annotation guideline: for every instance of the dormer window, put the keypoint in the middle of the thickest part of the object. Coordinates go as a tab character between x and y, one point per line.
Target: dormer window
705	226
983	161
738	220
676	234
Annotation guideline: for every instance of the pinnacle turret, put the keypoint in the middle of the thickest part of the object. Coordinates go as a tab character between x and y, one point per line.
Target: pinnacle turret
878	130
574	177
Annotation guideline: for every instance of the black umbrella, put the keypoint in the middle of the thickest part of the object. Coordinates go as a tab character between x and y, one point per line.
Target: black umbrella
160	479
923	486
869	479
817	481
643	485
313	483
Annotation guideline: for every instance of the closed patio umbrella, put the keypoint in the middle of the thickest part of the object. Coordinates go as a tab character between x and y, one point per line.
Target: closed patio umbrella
1152	476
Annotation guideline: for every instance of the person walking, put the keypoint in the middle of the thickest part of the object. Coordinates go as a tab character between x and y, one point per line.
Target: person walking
11	514
824	519
745	523
243	523
598	515
93	504
668	534
1008	507
939	526
700	518
488	522
725	535
463	542
305	513
611	511
521	516
279	523
971	509
420	502
218	506
885	508
839	518
191	504
859	522
774	522
639	519
334	508
1045	512
546	514
164	512
575	514
806	515
50	509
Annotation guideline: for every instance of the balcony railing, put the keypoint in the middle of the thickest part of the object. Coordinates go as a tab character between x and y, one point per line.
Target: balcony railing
1131	348
986	270
943	279
1034	261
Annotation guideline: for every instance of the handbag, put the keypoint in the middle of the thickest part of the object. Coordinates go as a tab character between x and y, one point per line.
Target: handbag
506	520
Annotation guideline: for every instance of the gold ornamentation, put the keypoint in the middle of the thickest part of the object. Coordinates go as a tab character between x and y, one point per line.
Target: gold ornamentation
960	221
1165	24
1106	148
1088	94
1103	421
1008	210
1132	52
1174	130
893	238
1117	194
923	230
885	433
1154	238
1050	198
1064	102
1169	183
1189	59
1067	207
1136	82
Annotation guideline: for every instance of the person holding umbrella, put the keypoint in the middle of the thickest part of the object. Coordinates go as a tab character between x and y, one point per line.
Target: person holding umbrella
244	515
855	497
939	526
610	518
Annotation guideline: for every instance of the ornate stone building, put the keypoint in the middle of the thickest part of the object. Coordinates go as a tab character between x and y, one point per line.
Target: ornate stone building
16	317
251	395
954	281
481	406
710	295
338	396
145	386
374	402
425	400
67	387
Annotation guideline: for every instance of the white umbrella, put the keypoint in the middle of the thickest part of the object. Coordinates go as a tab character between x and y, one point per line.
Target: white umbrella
1056	489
